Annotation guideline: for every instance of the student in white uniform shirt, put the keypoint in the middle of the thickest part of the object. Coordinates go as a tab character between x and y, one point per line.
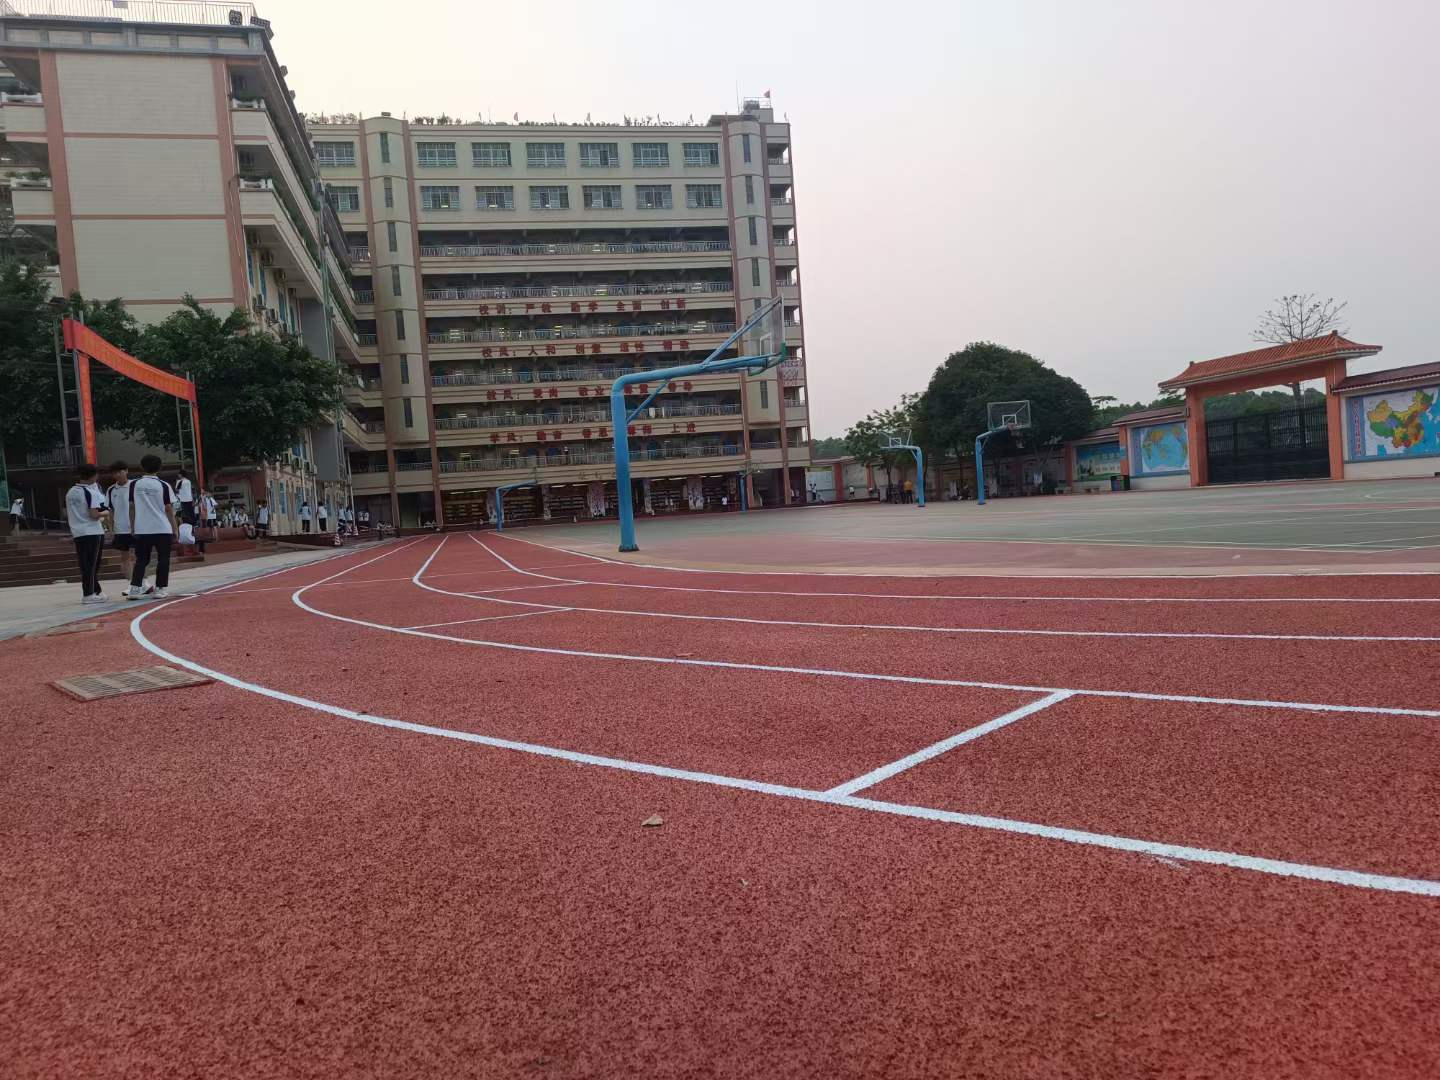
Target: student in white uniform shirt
305	515
322	512
117	497
185	493
85	509
152	522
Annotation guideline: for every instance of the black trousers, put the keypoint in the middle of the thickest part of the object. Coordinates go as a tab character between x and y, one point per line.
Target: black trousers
88	550
145	543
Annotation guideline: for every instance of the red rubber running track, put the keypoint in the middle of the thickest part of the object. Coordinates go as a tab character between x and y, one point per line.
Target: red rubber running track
1095	828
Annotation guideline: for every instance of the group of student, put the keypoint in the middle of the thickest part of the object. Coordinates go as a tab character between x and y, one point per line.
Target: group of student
346	519
143	516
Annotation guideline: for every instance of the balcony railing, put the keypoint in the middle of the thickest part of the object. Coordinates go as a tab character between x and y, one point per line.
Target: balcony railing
785	243
781	201
531	458
142	11
510	292
35	183
792	371
574	333
633	247
367	339
21	99
359	254
364	296
412	466
373	427
575	416
503	376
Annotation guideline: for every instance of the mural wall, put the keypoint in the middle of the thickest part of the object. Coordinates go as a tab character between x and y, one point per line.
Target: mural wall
1160	449
1399	423
1098	461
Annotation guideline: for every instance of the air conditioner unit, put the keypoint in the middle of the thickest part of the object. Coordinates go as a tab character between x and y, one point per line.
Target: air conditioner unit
267	258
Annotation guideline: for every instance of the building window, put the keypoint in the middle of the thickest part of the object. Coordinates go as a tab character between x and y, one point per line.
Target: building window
599	155
391	236
284	307
764	396
745	146
435	155
652	155
284	506
250	266
404	369
410	412
439	198
653	197
385	147
334	155
754	235
699	196
549	198
602	196
395	279
490	155
345	200
754	269
702	153
389	193
495	198
749	191
545	155
400	324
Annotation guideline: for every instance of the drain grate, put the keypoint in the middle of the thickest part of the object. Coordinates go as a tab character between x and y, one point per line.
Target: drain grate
137	681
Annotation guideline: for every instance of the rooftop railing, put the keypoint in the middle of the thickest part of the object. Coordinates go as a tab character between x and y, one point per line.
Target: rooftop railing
174	12
510	292
629	247
574	333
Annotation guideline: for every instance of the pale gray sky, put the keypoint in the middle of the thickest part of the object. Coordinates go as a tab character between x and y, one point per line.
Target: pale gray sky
1118	188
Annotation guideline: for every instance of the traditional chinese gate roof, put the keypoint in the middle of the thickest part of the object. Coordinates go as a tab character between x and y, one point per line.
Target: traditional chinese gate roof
1275	359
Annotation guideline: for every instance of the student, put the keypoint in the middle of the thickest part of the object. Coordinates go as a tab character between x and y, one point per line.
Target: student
17	513
190	543
209	508
85	507
117	496
152	521
185	493
262	519
364	519
322	513
305	515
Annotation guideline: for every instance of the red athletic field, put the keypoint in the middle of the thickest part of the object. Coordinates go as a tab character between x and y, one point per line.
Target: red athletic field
1101	828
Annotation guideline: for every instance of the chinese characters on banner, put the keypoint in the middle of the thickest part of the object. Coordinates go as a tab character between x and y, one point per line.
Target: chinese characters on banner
581	307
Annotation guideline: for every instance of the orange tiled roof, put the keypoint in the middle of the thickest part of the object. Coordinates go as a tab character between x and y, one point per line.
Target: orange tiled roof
1392	376
1329	347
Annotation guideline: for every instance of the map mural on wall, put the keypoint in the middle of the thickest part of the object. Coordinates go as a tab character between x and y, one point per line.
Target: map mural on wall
1402	423
1098	461
1160	449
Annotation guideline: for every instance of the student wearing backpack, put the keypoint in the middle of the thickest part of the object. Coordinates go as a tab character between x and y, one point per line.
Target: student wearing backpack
85	509
152	522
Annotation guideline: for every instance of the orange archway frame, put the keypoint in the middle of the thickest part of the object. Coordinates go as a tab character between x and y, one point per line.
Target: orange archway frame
87	346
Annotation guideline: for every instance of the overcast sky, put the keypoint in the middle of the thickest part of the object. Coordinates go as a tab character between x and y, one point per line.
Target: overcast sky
1118	188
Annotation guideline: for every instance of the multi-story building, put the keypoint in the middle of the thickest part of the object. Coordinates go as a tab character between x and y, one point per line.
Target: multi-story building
486	281
507	273
160	154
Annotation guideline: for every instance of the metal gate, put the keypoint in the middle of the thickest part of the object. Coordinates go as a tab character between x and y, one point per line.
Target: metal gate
1283	444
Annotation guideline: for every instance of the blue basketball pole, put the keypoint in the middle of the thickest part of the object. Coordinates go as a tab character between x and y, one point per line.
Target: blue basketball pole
980	463
919	471
620	416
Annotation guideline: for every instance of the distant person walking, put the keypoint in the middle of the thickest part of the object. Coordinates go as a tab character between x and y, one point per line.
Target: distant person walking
117	496
85	509
262	519
152	520
17	513
185	493
322	514
305	515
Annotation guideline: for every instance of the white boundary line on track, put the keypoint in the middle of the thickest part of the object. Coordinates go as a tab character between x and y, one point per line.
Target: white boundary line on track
487	618
975	630
1281	868
1011	576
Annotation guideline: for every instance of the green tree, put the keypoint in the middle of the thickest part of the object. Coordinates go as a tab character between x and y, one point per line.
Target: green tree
868	438
1108	410
829	447
257	393
29	394
953	409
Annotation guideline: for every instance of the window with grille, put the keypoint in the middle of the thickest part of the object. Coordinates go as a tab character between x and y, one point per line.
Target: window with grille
410	412
545	155
345	200
389	194
334	154
495	198
702	195
764	395
653	197
549	198
385	147
490	155
440	198
435	155
404	369
754	235
602	196
702	153
399	324
745	146
395	281
749	191
600	155
391	236
652	155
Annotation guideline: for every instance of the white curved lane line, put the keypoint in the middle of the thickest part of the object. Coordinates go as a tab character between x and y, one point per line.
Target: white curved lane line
983	631
1277	867
990	596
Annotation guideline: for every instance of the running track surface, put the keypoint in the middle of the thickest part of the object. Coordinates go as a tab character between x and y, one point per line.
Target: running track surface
1097	828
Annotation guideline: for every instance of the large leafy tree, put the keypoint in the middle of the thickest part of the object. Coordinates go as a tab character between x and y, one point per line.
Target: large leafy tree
952	410
869	437
29	394
258	393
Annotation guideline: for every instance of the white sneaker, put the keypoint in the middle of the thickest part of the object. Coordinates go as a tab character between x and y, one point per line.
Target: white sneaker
133	593
96	598
159	594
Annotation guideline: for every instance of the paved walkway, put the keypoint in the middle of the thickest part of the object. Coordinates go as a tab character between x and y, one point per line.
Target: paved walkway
30	608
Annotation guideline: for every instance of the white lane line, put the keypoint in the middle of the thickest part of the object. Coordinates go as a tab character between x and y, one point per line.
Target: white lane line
486	618
509	588
1303	871
894	768
906	628
980	596
282	570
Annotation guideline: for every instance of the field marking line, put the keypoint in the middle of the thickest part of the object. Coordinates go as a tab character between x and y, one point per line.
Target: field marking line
851	573
339	553
1303	871
904	628
934	750
1202	545
486	618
